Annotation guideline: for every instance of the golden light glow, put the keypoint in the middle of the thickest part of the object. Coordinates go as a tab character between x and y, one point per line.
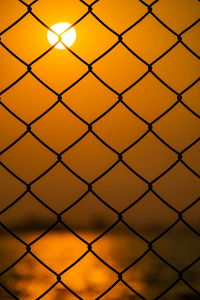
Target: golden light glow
67	38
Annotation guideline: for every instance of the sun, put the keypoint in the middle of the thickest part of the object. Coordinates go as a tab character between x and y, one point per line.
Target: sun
67	38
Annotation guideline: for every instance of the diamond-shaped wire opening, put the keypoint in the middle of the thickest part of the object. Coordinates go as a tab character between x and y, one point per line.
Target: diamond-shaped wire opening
92	276
180	246
154	275
67	69
36	158
149	106
117	241
141	216
94	39
84	158
150	157
118	184
65	128
180	65
26	39
28	105
89	104
96	220
180	122
120	128
47	251
178	184
36	218
119	61
142	39
59	194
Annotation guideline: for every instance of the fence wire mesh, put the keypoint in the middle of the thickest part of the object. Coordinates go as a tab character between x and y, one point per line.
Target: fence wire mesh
119	155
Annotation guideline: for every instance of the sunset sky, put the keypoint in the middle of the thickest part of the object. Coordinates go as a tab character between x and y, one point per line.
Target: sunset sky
89	99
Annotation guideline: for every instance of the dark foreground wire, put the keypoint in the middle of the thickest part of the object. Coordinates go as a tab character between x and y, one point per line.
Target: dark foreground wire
119	155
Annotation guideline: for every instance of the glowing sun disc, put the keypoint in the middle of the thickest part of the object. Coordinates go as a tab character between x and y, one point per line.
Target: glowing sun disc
67	38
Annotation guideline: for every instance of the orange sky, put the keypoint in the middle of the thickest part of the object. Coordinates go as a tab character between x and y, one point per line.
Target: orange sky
89	98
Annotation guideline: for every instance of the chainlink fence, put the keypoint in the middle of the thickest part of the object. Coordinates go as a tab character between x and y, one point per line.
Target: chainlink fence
119	155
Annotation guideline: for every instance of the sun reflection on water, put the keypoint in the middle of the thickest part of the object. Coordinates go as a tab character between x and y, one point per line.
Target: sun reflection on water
89	278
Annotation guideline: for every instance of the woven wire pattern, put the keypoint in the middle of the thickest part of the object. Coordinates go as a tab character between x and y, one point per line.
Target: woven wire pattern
89	185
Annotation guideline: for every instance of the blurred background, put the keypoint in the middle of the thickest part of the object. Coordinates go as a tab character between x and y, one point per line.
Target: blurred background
89	98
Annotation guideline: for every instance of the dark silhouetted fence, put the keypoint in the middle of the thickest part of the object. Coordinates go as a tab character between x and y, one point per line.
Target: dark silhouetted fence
119	156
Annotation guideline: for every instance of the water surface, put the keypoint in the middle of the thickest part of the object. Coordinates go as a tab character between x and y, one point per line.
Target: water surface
89	278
